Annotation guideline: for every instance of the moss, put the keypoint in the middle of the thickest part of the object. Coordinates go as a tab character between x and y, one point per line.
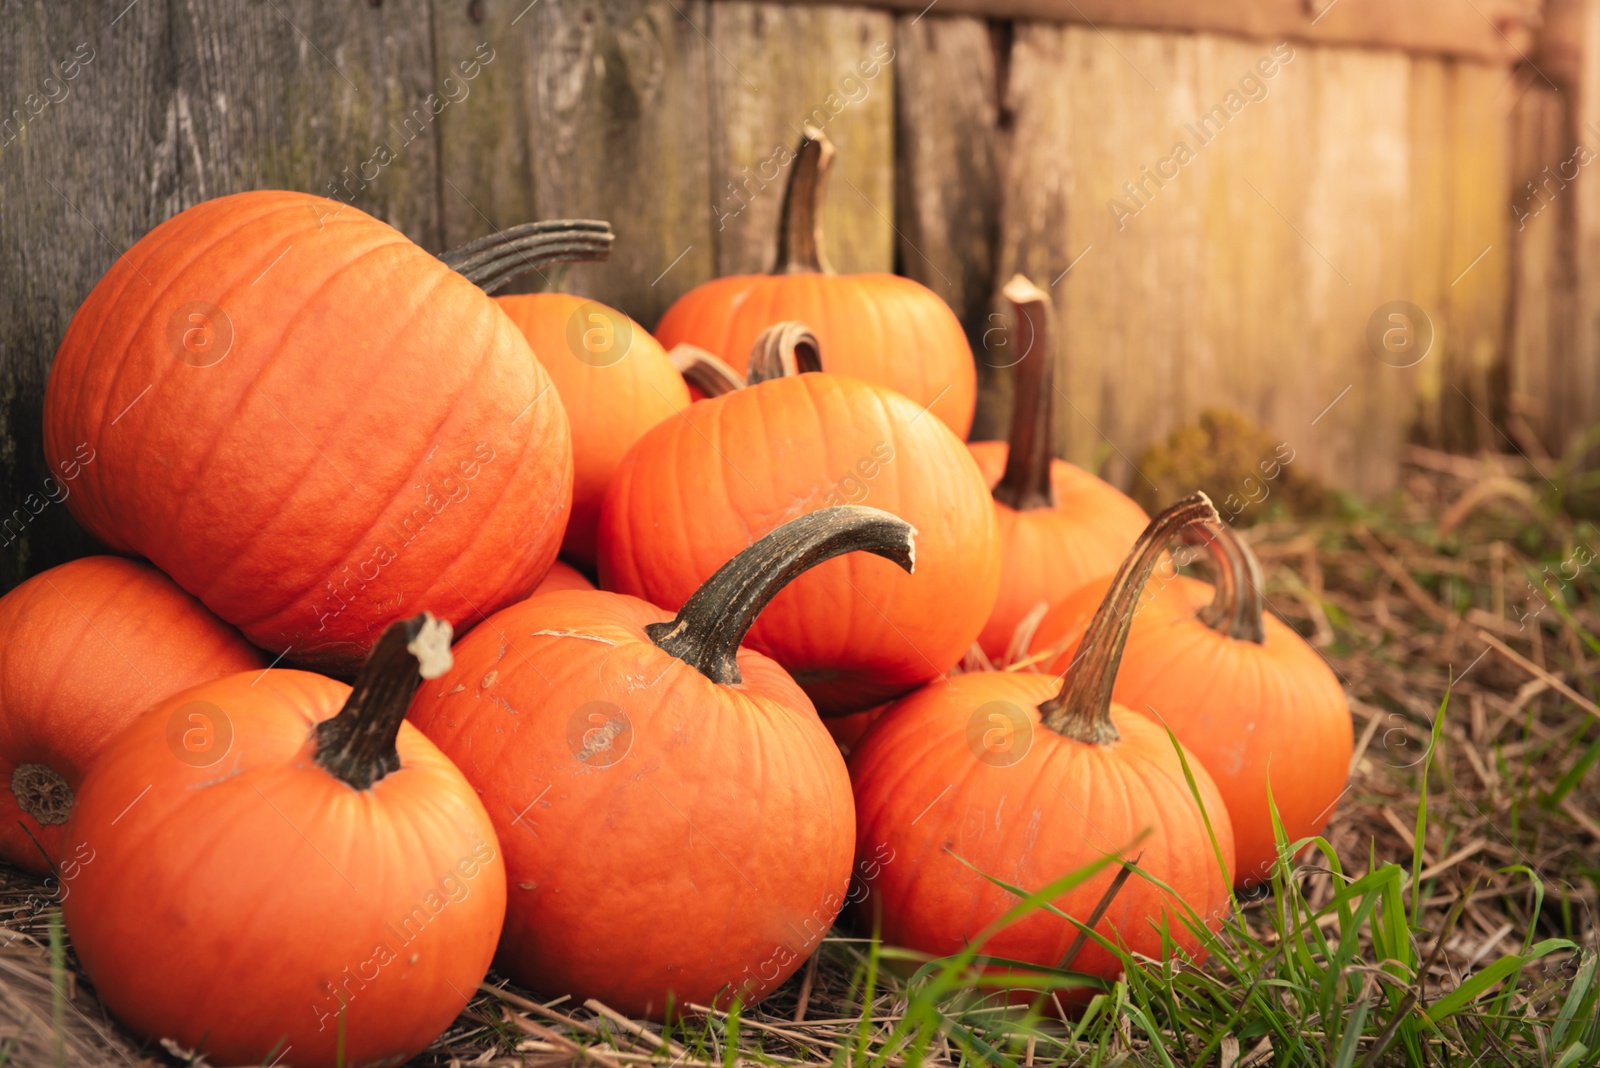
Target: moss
1249	472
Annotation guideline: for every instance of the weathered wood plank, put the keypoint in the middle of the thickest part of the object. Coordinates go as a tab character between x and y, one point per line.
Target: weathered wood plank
947	145
774	68
1545	155
620	133
336	100
86	168
1497	31
485	154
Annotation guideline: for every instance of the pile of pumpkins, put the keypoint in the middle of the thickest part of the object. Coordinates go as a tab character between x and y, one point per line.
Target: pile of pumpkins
312	443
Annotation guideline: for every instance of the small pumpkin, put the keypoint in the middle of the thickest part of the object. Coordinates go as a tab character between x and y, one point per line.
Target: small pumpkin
318	884
698	489
1239	688
722	804
313	425
1060	526
89	645
615	383
880	327
1027	781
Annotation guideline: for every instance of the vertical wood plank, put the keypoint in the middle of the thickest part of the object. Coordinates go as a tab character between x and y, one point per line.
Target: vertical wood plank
947	144
336	100
620	133
1544	155
485	139
86	168
775	67
1432	159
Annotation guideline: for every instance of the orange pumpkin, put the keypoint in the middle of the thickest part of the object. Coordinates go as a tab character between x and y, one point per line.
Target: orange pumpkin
698	489
1242	691
1060	526
1028	784
722	805
880	327
563	577
324	890
615	383
313	425
89	645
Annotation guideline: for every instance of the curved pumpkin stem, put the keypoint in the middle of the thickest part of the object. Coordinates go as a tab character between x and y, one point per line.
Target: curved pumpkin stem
1026	482
1082	710
800	224
783	350
711	625
357	746
491	262
705	371
1237	606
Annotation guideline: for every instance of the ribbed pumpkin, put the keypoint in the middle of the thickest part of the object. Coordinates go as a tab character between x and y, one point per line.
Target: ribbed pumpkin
88	646
320	890
677	822
615	383
1028	784
312	424
880	327
1060	526
1242	691
698	489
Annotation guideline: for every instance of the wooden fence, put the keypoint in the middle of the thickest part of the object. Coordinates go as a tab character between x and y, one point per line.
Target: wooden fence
1225	215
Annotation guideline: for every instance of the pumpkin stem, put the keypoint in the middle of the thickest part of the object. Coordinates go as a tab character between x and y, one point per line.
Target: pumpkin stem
1082	710
1237	606
708	373
490	262
800	227
358	745
1026	482
711	625
42	793
783	350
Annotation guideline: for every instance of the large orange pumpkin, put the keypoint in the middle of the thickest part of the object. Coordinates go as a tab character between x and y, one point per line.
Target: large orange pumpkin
1027	781
88	646
880	327
699	488
1060	526
1242	691
677	823
312	424
615	383
320	890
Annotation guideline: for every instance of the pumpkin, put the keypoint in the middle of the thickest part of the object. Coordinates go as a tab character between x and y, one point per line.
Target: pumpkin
316	882
722	805
1060	526
1027	781
89	645
615	382
881	327
563	577
1241	690
313	425
697	489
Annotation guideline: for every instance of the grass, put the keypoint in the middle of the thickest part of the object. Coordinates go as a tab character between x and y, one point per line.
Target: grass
1446	917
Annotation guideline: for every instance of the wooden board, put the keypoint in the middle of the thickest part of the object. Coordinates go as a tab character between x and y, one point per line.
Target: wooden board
66	214
620	133
1498	31
773	69
947	138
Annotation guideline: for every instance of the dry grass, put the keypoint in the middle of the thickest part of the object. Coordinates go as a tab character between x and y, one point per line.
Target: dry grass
1439	591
